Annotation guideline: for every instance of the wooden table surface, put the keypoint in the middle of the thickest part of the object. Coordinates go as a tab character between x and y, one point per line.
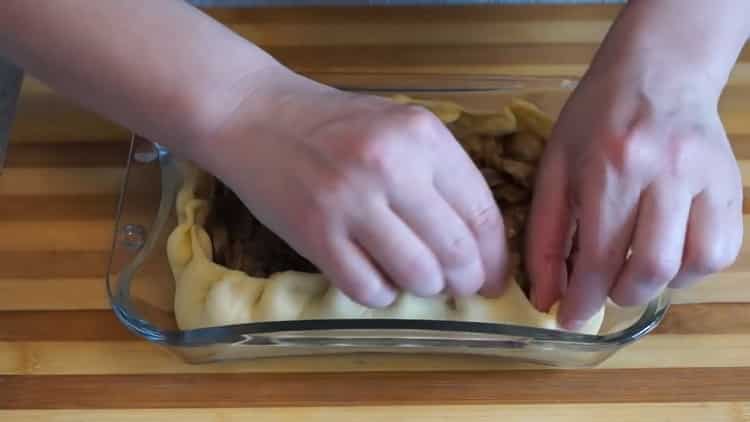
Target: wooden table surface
64	356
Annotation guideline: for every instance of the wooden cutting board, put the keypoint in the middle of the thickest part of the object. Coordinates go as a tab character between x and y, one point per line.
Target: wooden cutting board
63	355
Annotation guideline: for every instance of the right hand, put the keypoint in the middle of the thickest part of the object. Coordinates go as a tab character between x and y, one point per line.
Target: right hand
378	195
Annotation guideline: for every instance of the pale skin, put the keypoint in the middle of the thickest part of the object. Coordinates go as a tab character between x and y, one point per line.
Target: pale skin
383	198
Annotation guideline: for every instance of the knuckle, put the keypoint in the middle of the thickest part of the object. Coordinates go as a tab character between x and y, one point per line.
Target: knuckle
629	154
374	153
599	262
458	251
681	159
327	255
712	259
421	124
485	219
383	149
327	195
656	270
317	210
418	119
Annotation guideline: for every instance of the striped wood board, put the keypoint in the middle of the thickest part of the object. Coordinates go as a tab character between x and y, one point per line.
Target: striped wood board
63	355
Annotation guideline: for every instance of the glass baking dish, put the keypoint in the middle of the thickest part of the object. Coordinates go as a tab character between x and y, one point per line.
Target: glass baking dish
141	286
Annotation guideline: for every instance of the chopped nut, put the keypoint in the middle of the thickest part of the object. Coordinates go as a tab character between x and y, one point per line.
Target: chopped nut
522	173
219	241
514	218
511	193
515	243
511	231
525	146
496	162
492	177
234	255
514	259
472	144
490	147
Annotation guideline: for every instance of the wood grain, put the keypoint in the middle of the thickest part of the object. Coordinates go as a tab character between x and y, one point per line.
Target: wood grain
58	235
706	318
102	357
62	348
706	412
86	325
57	264
45	326
53	181
56	293
729	286
72	154
408	15
377	388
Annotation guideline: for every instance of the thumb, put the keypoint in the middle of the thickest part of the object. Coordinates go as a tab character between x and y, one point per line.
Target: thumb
549	231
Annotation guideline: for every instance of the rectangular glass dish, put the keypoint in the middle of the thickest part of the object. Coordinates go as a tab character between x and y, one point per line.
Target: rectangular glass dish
141	285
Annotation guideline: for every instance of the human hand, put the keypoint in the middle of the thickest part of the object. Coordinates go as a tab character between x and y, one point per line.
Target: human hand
378	195
639	163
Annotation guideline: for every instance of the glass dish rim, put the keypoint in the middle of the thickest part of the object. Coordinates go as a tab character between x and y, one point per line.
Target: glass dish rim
651	317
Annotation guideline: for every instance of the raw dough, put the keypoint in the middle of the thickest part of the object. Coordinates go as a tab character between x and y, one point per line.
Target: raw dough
210	295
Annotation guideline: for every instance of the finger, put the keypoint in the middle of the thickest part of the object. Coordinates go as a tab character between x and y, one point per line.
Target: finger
398	251
549	233
441	229
465	190
714	238
353	271
607	218
658	244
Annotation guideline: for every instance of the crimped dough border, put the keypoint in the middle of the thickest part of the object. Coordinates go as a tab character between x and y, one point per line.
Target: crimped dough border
211	295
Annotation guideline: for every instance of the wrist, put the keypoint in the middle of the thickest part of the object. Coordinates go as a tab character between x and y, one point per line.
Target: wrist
675	39
207	105
270	102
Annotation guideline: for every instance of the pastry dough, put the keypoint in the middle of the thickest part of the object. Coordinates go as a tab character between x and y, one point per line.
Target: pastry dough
210	295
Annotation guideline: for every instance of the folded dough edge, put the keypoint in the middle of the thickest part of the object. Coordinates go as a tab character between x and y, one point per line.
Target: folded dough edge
210	295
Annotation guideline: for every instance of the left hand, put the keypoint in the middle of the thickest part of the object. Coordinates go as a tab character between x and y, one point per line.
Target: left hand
639	161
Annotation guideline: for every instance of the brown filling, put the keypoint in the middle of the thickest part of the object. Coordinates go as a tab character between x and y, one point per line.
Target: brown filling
507	161
242	243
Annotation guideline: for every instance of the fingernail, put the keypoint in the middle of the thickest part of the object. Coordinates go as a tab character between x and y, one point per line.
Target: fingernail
384	297
572	324
430	288
569	320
